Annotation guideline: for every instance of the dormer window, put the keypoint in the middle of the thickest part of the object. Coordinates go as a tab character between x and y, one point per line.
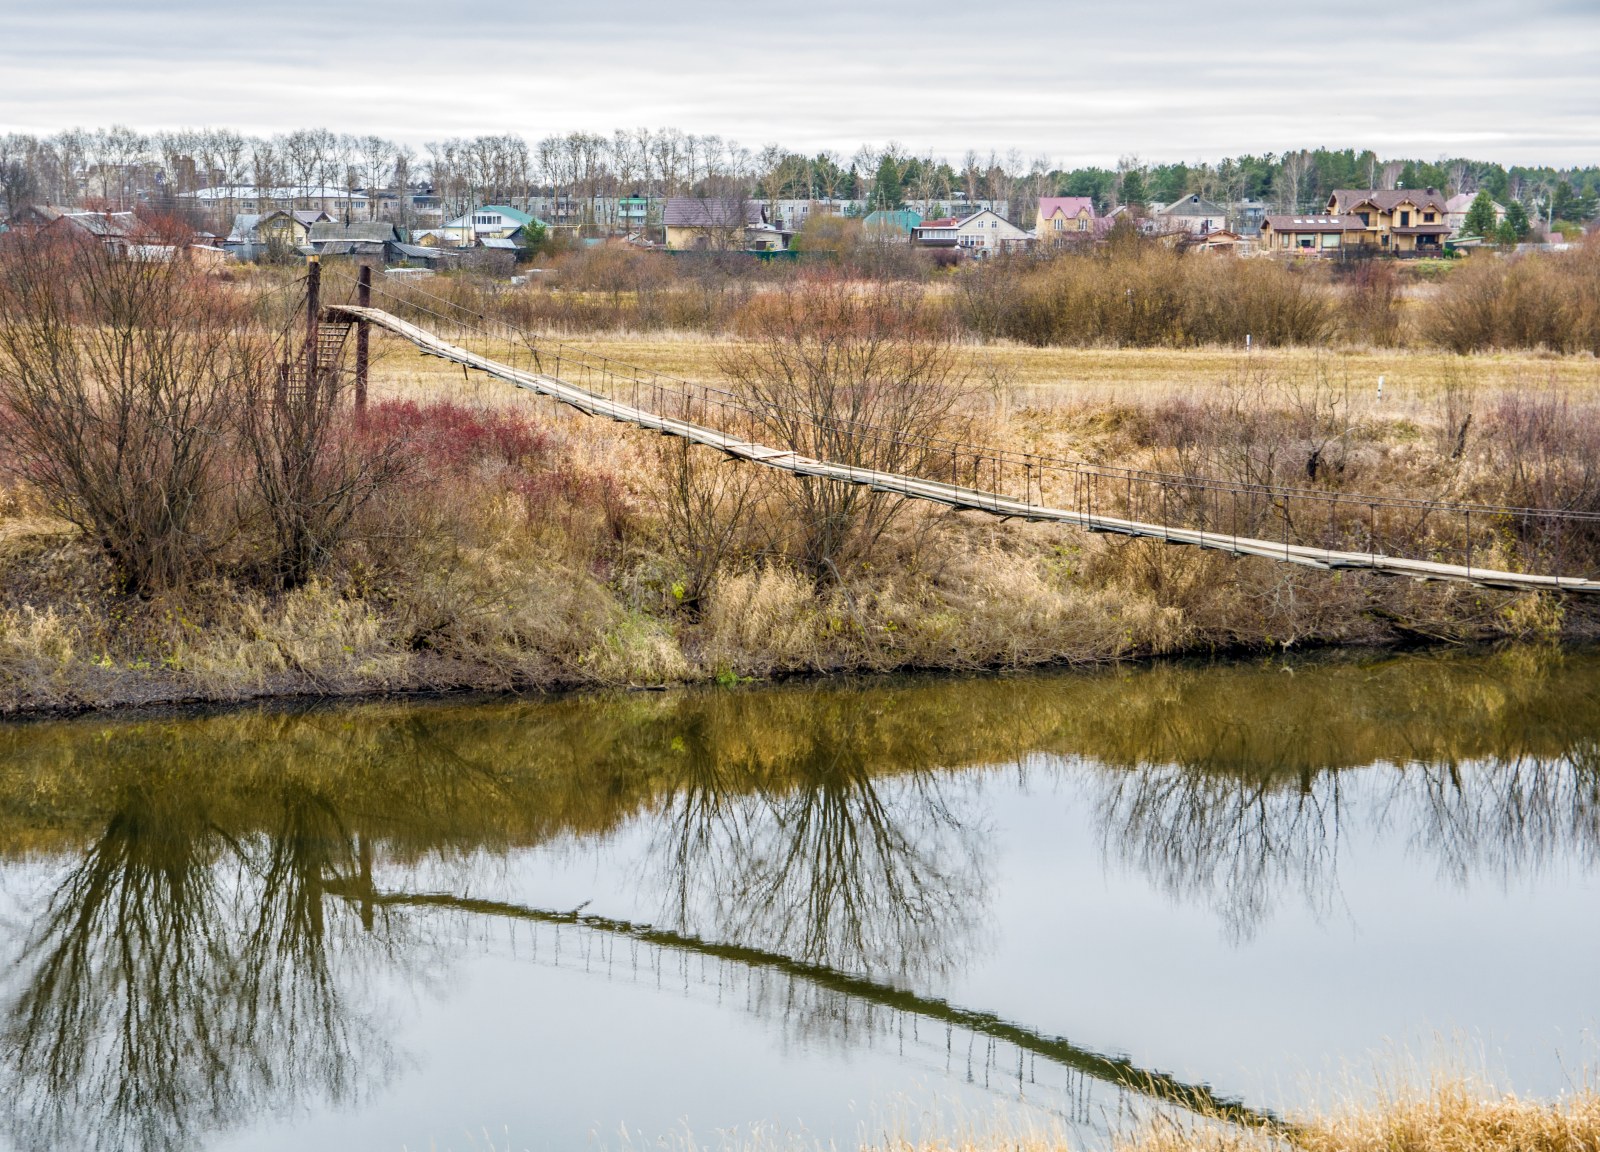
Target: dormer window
1365	217
1427	217
1405	219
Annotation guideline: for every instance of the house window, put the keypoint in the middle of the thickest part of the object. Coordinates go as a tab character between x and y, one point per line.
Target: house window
1405	219
1427	217
1366	218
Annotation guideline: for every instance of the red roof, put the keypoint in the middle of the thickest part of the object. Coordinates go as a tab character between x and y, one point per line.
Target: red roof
943	222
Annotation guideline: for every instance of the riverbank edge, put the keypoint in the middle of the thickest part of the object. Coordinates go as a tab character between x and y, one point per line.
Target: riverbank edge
303	692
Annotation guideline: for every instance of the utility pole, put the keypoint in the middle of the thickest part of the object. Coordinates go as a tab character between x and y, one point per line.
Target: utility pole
363	298
313	316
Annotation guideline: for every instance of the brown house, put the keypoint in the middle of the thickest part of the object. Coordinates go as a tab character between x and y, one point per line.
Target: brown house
1397	220
114	229
1324	235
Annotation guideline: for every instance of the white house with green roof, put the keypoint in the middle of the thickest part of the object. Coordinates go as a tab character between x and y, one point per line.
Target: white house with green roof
490	222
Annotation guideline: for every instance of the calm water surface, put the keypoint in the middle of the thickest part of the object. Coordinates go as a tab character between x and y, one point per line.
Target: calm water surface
816	910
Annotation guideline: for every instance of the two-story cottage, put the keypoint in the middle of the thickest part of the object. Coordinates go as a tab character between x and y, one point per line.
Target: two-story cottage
1064	219
1456	209
1193	214
489	222
1394	220
981	233
288	230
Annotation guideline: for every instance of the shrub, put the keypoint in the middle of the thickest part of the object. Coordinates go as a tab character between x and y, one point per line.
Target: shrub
120	383
1536	301
1143	293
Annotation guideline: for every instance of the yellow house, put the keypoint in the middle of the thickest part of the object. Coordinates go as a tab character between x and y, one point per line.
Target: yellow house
290	229
1404	220
1064	219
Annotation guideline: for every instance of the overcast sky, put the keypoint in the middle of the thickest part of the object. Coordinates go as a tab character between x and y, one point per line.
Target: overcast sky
1163	79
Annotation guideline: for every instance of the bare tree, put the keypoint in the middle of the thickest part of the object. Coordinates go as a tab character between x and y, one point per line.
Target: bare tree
863	378
706	504
313	468
118	379
1296	167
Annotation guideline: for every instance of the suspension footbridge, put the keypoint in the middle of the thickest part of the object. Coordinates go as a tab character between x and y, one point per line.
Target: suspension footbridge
1329	530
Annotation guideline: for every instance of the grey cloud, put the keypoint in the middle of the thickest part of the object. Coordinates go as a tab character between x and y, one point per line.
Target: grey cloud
1166	79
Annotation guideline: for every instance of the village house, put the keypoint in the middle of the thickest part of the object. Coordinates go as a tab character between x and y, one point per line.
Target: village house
285	231
1399	220
1063	219
725	224
490	222
1396	222
368	238
1322	235
1193	214
983	233
114	229
1223	241
1457	207
891	225
374	240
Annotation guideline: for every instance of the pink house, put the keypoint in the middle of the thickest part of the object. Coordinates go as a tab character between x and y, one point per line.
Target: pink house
1064	219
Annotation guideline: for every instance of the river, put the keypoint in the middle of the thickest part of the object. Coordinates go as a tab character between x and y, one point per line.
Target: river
799	913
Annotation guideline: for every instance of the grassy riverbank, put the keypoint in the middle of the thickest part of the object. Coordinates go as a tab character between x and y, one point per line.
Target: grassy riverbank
206	542
529	549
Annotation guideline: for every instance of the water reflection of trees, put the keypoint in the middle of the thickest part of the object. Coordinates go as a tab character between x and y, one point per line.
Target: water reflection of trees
1230	842
829	861
199	959
1501	819
180	978
202	960
1238	842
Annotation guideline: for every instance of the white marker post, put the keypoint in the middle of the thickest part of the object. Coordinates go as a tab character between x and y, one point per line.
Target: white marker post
1380	389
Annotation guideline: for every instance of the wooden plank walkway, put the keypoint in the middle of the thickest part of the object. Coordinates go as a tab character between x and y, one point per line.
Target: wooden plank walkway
954	495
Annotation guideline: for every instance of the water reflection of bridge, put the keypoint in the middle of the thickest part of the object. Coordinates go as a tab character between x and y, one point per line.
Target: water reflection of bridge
888	1009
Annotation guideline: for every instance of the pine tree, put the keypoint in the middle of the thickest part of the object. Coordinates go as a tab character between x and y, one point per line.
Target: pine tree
1480	217
1517	220
1133	193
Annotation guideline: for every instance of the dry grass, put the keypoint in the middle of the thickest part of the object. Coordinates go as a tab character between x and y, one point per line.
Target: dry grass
550	567
1453	1114
1050	377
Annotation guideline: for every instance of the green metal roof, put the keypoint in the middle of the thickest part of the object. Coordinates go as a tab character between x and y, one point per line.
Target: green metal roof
905	219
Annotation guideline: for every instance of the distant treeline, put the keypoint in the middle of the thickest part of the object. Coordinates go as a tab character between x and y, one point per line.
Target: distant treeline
122	167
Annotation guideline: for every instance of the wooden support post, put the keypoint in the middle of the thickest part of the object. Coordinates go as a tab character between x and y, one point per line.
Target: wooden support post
313	316
363	298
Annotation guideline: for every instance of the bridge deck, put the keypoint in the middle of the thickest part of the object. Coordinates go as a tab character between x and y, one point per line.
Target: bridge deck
954	495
